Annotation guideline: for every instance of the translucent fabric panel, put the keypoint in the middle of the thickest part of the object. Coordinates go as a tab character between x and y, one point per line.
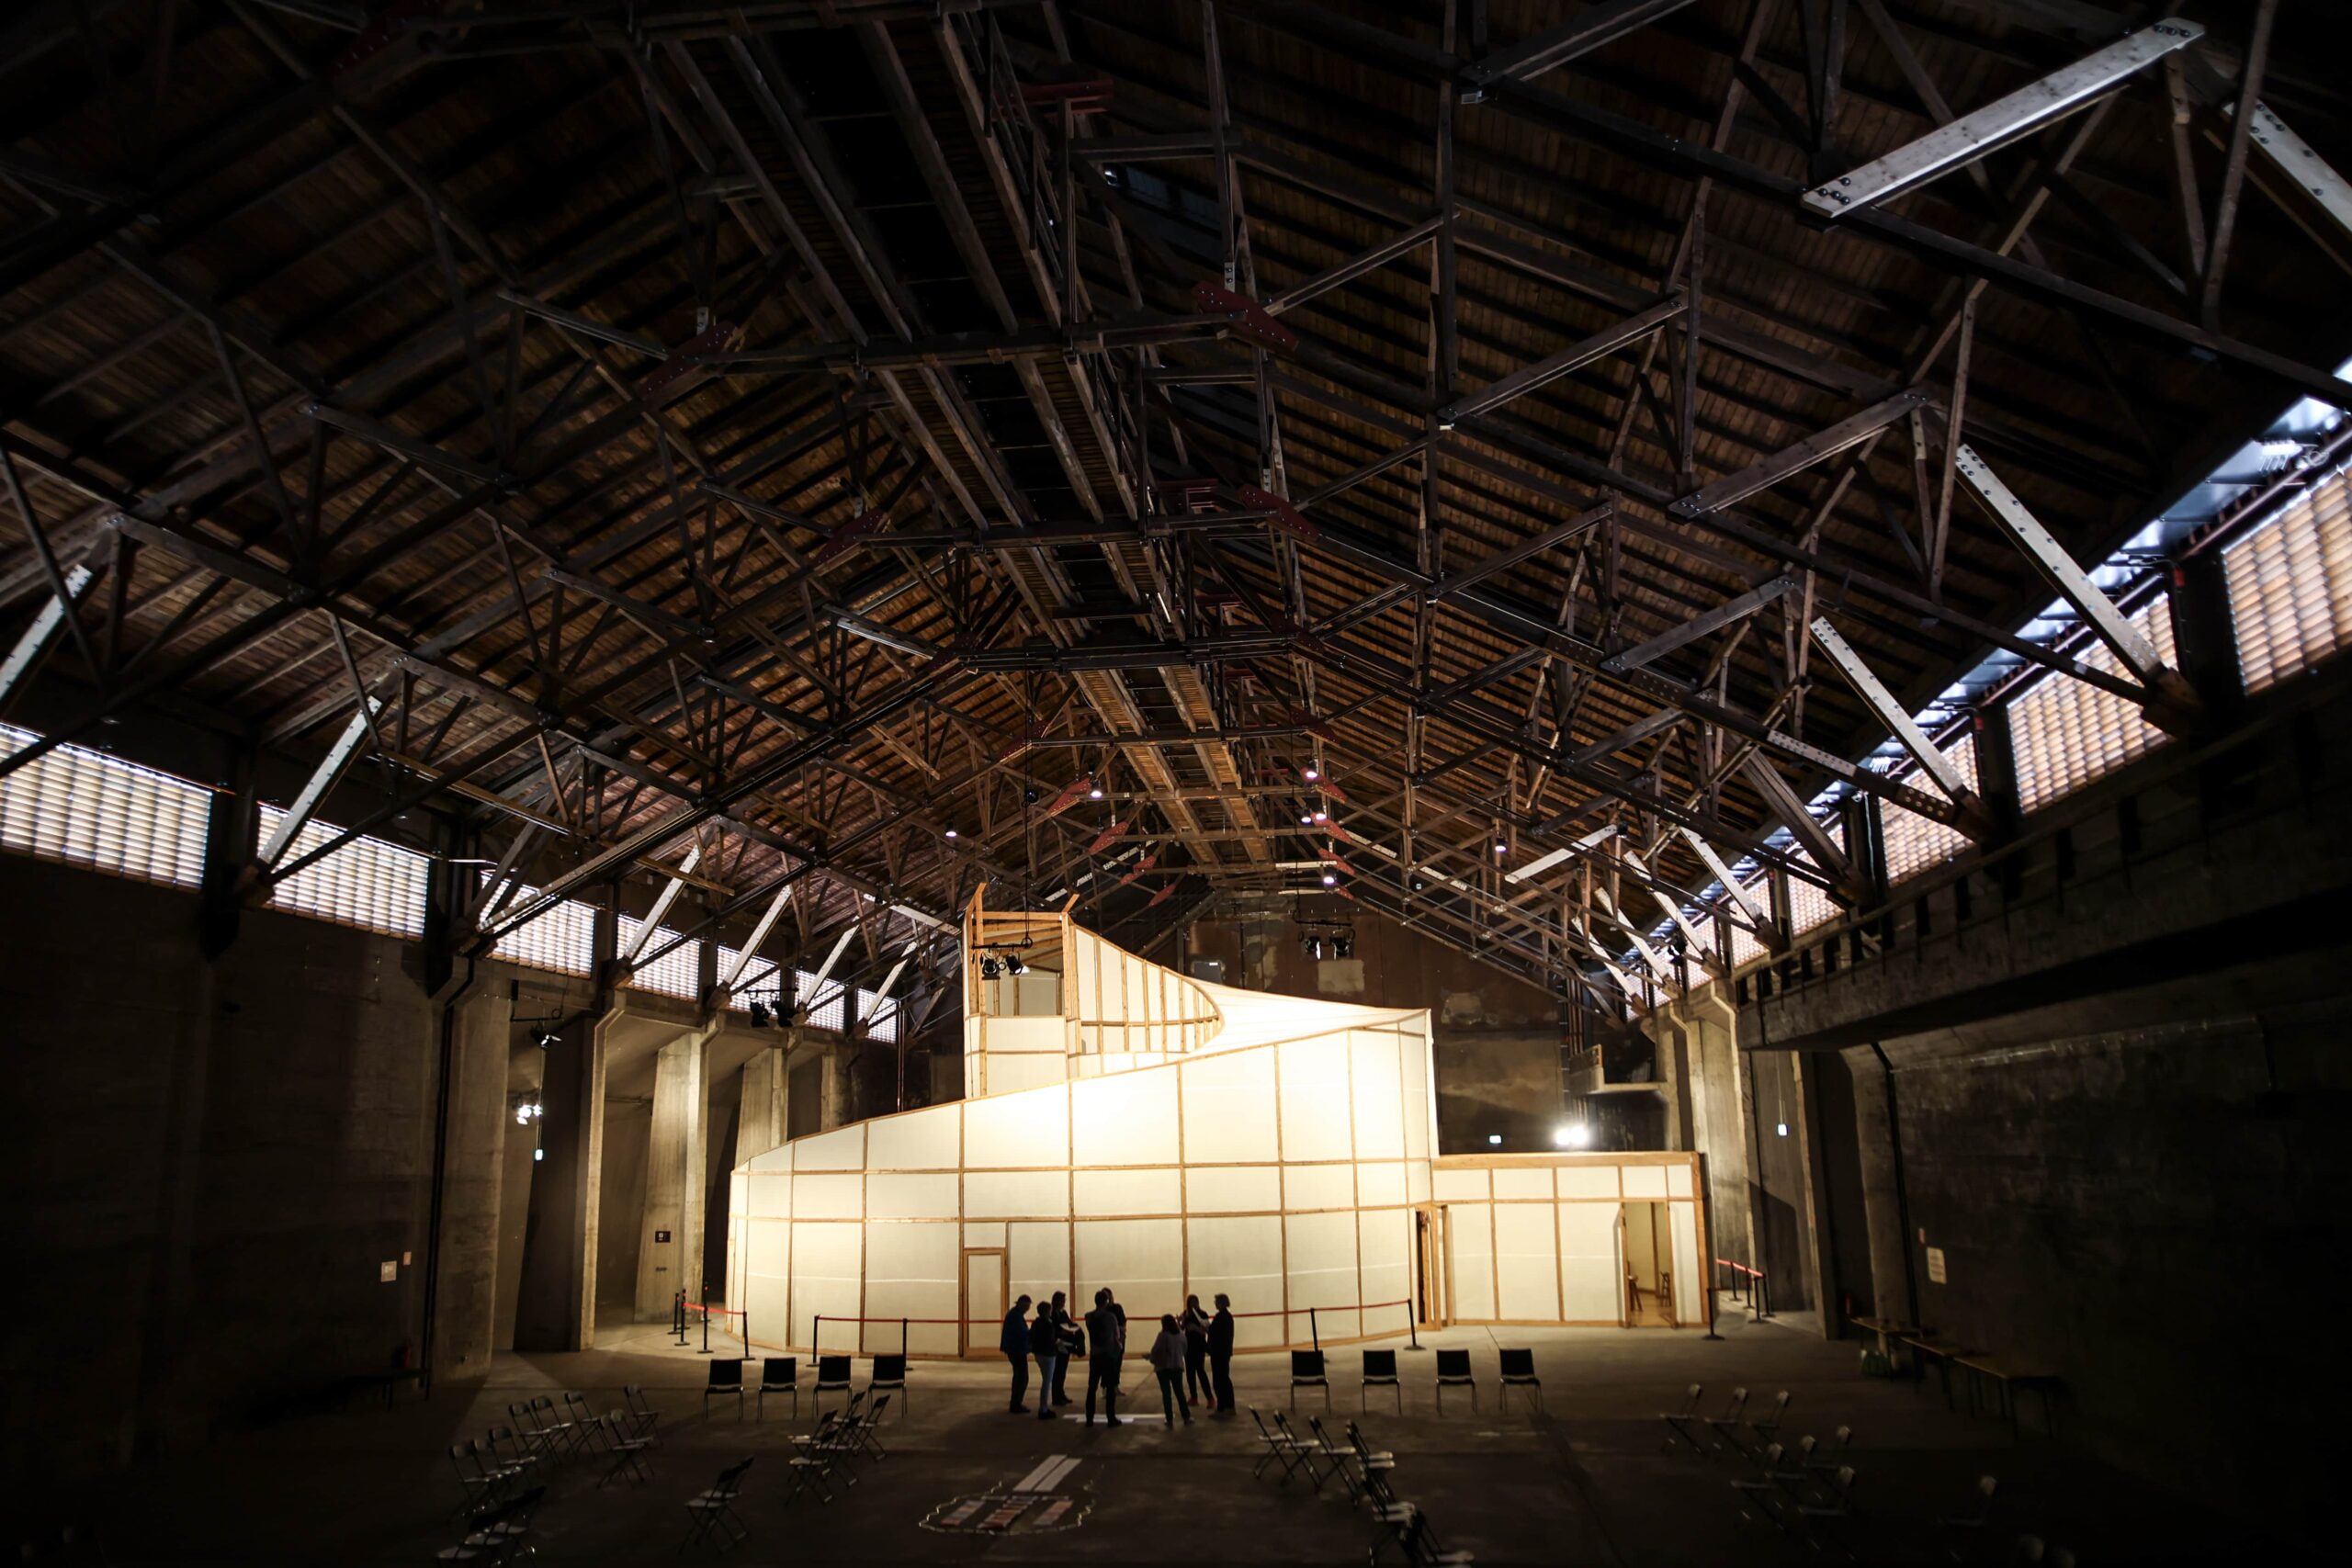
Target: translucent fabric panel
989	1232
1383	1254
911	1271
843	1149
1454	1185
1030	1128
826	1259
1527	1261
1379	1183
1523	1181
1038	1255
762	1285
1321	1257
1127	1120
1099	1193
768	1194
1015	1194
1586	1178
1413	1083
1318	1186
1253	1188
917	1140
1315	1098
1470	1247
1141	1260
1689	1272
1592	1272
1229	1106
1244	1258
1379	1093
894	1195
1677	1181
828	1195
1644	1181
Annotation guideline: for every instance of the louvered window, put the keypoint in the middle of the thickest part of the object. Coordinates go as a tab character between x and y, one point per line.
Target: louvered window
1913	843
759	981
367	883
89	810
562	939
827	1010
1810	905
2068	732
677	973
881	1015
1746	945
2290	585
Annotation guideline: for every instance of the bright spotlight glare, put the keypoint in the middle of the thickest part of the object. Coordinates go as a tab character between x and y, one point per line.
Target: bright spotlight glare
1495	1138
1571	1135
1094	793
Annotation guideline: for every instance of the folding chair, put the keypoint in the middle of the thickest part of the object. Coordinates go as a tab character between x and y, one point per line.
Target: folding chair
1453	1371
2033	1548
1839	1503
1770	1423
1832	1454
583	1419
889	1372
819	1455
779	1374
866	1440
1317	1460
563	1438
1347	1458
832	1376
1279	1446
483	1480
1677	1422
506	1446
1306	1372
1518	1371
1722	1425
642	1417
1418	1540
726	1377
714	1509
629	1451
1973	1520
1380	1370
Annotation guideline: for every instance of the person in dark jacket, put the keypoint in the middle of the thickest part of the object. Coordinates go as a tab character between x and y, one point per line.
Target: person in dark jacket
1221	1354
1045	1345
1072	1343
1106	1341
1197	1352
1014	1343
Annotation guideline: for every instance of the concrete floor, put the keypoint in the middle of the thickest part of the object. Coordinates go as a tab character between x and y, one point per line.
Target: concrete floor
1592	1481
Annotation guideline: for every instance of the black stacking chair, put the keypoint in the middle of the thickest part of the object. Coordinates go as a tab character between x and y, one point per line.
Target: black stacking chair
726	1377
1453	1371
1306	1372
1518	1371
779	1374
889	1372
1380	1371
832	1376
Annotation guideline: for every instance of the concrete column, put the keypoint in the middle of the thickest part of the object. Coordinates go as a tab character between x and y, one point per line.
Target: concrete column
473	1157
556	1309
1719	1126
766	1091
674	1179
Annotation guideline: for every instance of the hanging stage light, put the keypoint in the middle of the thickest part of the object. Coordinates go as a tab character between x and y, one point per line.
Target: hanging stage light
990	969
759	1011
1343	945
1013	966
1330	880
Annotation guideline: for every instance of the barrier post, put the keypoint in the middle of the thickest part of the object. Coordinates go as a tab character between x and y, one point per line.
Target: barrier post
1314	1334
744	1320
678	1318
902	1336
705	1320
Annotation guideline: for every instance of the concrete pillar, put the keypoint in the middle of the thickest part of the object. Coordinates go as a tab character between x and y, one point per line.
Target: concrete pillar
1719	1125
668	1249
766	1089
472	1177
556	1309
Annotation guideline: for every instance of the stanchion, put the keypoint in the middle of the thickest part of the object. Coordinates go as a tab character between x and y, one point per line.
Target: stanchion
678	1319
902	1336
705	1324
1314	1334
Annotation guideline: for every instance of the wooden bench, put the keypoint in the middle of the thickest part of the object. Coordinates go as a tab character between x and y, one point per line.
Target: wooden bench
390	1380
1943	1352
2010	1376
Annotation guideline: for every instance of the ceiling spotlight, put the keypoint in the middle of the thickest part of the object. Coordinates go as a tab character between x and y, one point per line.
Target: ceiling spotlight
1322	817
1343	947
1330	880
1312	774
1029	796
543	1038
1094	793
990	969
1501	847
1013	966
1305	820
1495	1139
951	832
1572	1134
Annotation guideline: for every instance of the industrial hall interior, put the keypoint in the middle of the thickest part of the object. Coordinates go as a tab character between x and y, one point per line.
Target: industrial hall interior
1511	782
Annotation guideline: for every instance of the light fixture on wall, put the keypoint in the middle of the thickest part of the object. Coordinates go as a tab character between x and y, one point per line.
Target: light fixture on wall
1495	1139
1572	1134
991	968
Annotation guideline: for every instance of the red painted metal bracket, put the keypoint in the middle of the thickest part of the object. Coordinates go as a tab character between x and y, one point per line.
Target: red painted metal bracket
1244	315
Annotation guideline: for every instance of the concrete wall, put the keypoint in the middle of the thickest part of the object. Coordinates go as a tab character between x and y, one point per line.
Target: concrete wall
1497	1042
205	1165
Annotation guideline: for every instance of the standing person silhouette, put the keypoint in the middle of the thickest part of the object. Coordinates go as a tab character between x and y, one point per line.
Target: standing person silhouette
1106	1341
1071	1342
1221	1353
1168	1365
1014	1342
1045	1344
1196	1353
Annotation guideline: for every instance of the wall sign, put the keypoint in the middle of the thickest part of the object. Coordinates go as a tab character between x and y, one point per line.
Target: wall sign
387	1272
661	1235
1936	1266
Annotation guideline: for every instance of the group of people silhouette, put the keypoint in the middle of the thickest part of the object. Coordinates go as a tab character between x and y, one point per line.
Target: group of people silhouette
1191	1356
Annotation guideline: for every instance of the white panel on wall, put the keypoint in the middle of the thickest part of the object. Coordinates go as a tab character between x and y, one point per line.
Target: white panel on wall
894	1195
1459	1186
767	1193
919	1140
1527	1264
1416	1182
1316	1107
1587	1180
1413	1063
826	1196
1157	1191
843	1149
825	1262
910	1273
1141	1260
1645	1180
1030	1128
1520	1181
1677	1181
1379	1183
1384	1252
1233	1189
1690	1271
1015	1194
1470	1239
1229	1106
763	1292
1318	1186
1038	1255
1126	1119
1243	1257
1322	1255
988	1233
1379	1094
1592	1282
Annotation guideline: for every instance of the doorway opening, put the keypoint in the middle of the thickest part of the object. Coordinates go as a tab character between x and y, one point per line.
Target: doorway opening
1649	1269
1428	1266
987	1286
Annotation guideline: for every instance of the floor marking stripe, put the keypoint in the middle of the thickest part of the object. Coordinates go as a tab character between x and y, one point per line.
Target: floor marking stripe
1035	1480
